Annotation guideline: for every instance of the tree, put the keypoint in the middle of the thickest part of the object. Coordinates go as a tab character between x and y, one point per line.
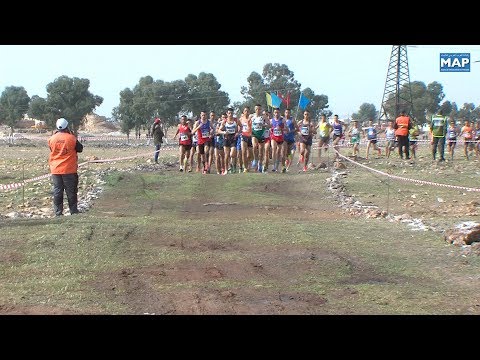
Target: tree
204	94
426	100
254	93
13	105
466	112
454	112
171	101
366	112
420	101
71	99
434	95
279	79
318	104
144	104
40	109
476	113
124	112
446	108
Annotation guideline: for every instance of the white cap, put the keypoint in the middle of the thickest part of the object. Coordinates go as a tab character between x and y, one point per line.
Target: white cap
62	124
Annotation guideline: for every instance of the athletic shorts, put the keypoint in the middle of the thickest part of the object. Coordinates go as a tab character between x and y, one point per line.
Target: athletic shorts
248	140
325	139
187	147
230	140
239	142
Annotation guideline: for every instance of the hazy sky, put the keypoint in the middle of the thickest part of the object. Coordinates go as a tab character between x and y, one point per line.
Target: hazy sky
348	74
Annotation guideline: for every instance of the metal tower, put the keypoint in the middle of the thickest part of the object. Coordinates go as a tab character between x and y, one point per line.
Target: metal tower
397	75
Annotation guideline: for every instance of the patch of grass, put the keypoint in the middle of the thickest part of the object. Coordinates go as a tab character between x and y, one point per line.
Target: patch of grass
147	220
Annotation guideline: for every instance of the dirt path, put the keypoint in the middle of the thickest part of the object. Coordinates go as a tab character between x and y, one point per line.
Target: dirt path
198	244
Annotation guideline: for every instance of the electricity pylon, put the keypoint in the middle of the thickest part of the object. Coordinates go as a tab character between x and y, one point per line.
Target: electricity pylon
397	77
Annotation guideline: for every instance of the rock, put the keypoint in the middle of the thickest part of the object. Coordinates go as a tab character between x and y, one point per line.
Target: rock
464	233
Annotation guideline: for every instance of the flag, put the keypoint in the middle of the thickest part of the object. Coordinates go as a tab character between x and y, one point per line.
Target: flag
269	99
276	101
303	101
286	99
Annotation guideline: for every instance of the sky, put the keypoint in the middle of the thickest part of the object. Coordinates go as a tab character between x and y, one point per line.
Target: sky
349	75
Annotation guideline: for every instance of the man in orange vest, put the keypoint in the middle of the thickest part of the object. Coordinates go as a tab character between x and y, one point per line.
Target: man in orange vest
402	126
63	162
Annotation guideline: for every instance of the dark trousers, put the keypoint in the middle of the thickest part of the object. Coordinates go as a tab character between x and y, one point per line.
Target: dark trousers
403	141
69	184
157	152
440	143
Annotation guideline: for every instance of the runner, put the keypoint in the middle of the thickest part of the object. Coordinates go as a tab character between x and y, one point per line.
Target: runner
230	129
452	135
414	133
307	130
476	133
211	152
390	138
246	144
467	133
278	129
324	131
371	135
203	128
354	134
193	150
184	143
289	137
337	134
258	140
267	136
219	146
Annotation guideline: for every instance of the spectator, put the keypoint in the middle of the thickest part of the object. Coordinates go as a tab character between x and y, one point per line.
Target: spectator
63	162
403	124
438	130
158	135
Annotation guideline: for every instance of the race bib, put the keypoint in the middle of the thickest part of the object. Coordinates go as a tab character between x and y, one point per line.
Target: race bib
257	126
183	137
372	134
205	134
304	130
277	132
245	127
266	133
230	130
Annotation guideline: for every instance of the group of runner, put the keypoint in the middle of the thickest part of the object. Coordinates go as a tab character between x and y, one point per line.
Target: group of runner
254	141
245	144
470	135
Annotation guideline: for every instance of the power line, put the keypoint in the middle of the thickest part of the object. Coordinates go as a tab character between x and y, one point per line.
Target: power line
158	97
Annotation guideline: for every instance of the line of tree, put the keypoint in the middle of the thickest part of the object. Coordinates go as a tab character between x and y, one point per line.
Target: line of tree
155	98
426	101
71	98
66	97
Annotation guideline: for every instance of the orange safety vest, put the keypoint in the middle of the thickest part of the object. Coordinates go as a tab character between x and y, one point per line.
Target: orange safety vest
402	122
63	157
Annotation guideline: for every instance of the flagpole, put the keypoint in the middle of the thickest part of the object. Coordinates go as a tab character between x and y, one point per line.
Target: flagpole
298	106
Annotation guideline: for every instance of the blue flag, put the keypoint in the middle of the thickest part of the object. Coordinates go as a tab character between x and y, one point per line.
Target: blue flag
276	101
303	101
